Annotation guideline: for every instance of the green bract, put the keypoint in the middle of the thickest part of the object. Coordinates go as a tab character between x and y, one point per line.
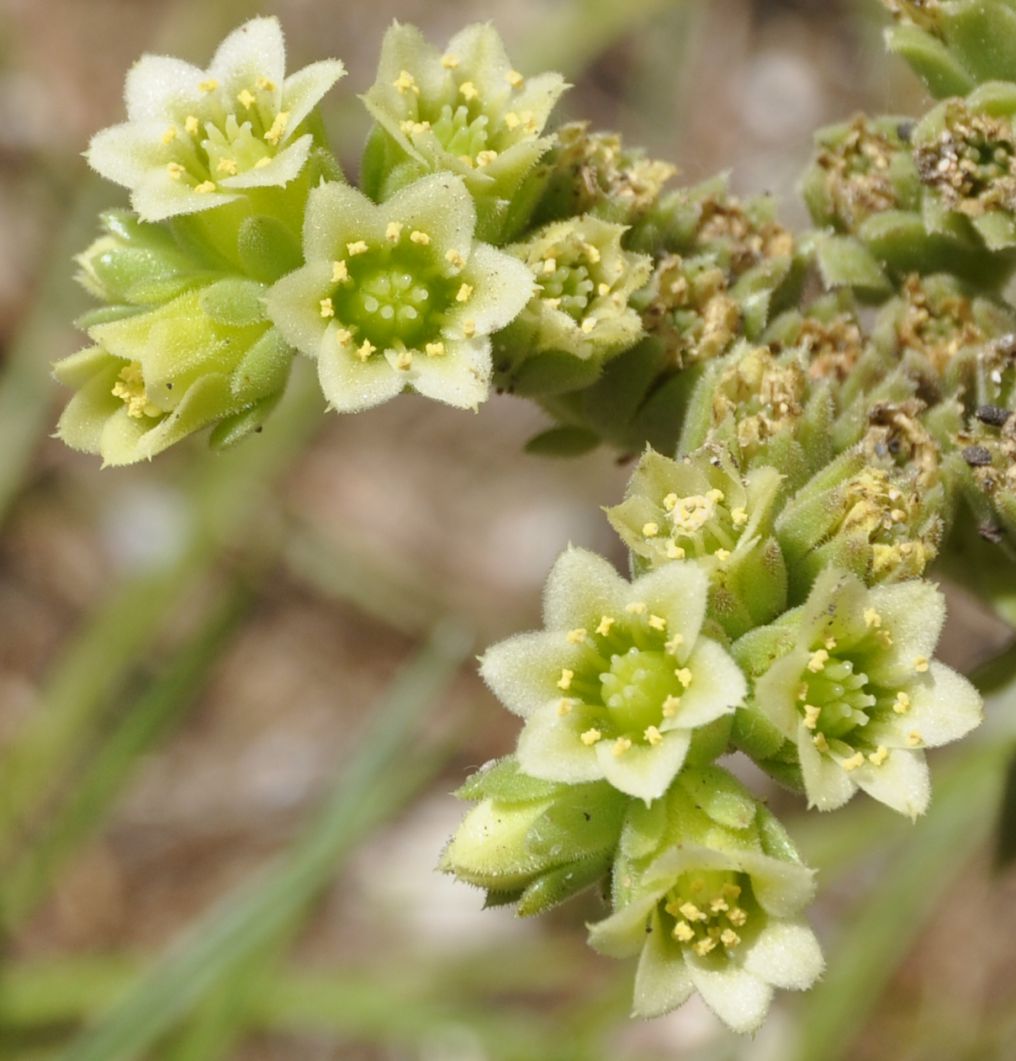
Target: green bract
196	139
855	689
579	314
465	110
708	891
621	678
398	295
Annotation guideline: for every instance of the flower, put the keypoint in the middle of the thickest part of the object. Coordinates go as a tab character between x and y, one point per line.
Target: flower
535	843
620	680
398	295
854	686
465	110
154	377
196	139
707	891
580	313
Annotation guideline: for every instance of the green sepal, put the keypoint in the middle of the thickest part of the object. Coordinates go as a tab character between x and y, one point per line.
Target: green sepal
267	248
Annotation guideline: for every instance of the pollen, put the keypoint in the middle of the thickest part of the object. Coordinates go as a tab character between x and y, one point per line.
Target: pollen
914	739
358	246
606	622
684	676
704	946
683	932
484	158
856	760
469	328
265	84
130	389
246	98
921	664
343	336
435	349
190	123
515	79
738	517
673	644
652	736
175	170
671	706
512	120
564	707
637	607
719	905
576	636
227	166
405	82
820	742
449	62
404	360
564	682
454	258
691	912
592	252
723	555
549	266
419	237
169	135
729	938
818	660
872	619
590	737
365	349
811	715
901	705
464	293
340	272
603	290
588	325
275	133
675	552
467	90
650	530
830	643
393	230
205	187
657	622
879	755
737	917
670	502
327	308
621	745
209	85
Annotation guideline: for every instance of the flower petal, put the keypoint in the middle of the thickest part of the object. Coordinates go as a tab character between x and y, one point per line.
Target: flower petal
336	215
645	771
439	205
294	308
623	934
739	998
461	377
942	709
158	197
126	153
582	586
662	982
523	671
678	592
782	888
255	49
304	90
351	385
718	686
787	955
549	748
278	172
913	613
900	782
159	86
502	285
826	784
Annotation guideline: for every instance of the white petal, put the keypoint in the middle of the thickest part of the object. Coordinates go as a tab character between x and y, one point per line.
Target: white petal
826	784
293	304
461	377
901	782
678	592
782	888
159	196
336	215
738	998
662	982
913	613
581	588
255	49
159	87
645	771
126	153
717	687
351	385
776	692
623	934
786	954
280	170
523	671
304	89
439	205
502	285
550	748
942	709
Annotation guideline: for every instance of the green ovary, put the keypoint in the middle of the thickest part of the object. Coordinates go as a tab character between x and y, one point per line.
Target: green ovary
635	688
708	911
836	699
572	287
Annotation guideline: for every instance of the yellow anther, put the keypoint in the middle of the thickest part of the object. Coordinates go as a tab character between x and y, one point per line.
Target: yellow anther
205	187
469	328
467	90
802	692
449	62
811	715
723	555
588	325
405	82
653	736
262	162
512	120
683	932
169	135
872	619
657	622
468	160
716	496
553	303
621	745
606	622
327	309
704	946
576	636
670	502
191	124
564	682
684	676
729	938
879	755
343	336
856	760
278	128
358	246
818	661
650	530
901	705
690	911
130	389
418	237
393	230
564	707
340	272
404	360
453	257
484	158
921	664
515	79
675	552
914	739
265	84
737	917
464	293
820	742
671	706
590	737
549	266
830	643
435	349
637	607
209	85
246	98
738	517
175	170
673	643
731	890
227	166
365	349
592	252
603	289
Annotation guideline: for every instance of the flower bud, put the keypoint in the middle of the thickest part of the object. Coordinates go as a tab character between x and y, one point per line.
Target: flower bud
987	472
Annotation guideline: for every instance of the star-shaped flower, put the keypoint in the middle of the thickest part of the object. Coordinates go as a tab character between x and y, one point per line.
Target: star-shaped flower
398	295
195	139
620	680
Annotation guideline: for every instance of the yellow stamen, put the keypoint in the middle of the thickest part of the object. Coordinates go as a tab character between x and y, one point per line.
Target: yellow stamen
621	745
404	360
393	230
434	349
464	293
738	517
190	123
468	90
650	530
365	349
453	257
469	328
856	760
588	325
175	170
603	290
405	82
564	682
729	938
590	737
657	622
169	135
811	715
606	622
670	502
592	253
227	166
914	739
879	755
722	555
820	742
653	736
872	619
675	552
921	664
484	158
343	336
637	607
515	79
549	266
205	187
704	946
512	120
358	246
683	932
275	133
327	309
673	644
576	636
818	660
262	162
684	676
209	85
418	237
246	98
564	707
901	705
737	917
340	272
671	706
449	62
265	85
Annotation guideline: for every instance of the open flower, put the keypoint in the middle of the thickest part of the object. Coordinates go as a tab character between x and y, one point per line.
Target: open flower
708	892
620	680
465	110
196	139
858	692
398	295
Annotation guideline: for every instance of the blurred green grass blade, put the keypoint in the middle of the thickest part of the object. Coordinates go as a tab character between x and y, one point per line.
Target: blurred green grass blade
1005	842
385	768
145	722
876	938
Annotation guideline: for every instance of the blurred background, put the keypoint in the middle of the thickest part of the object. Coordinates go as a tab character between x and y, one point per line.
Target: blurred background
237	691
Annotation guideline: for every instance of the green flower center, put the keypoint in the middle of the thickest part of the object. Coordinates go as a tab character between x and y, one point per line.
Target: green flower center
569	287
836	697
635	688
708	911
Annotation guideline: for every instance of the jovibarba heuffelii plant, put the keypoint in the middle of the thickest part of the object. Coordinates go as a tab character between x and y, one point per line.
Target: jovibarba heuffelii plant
822	419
